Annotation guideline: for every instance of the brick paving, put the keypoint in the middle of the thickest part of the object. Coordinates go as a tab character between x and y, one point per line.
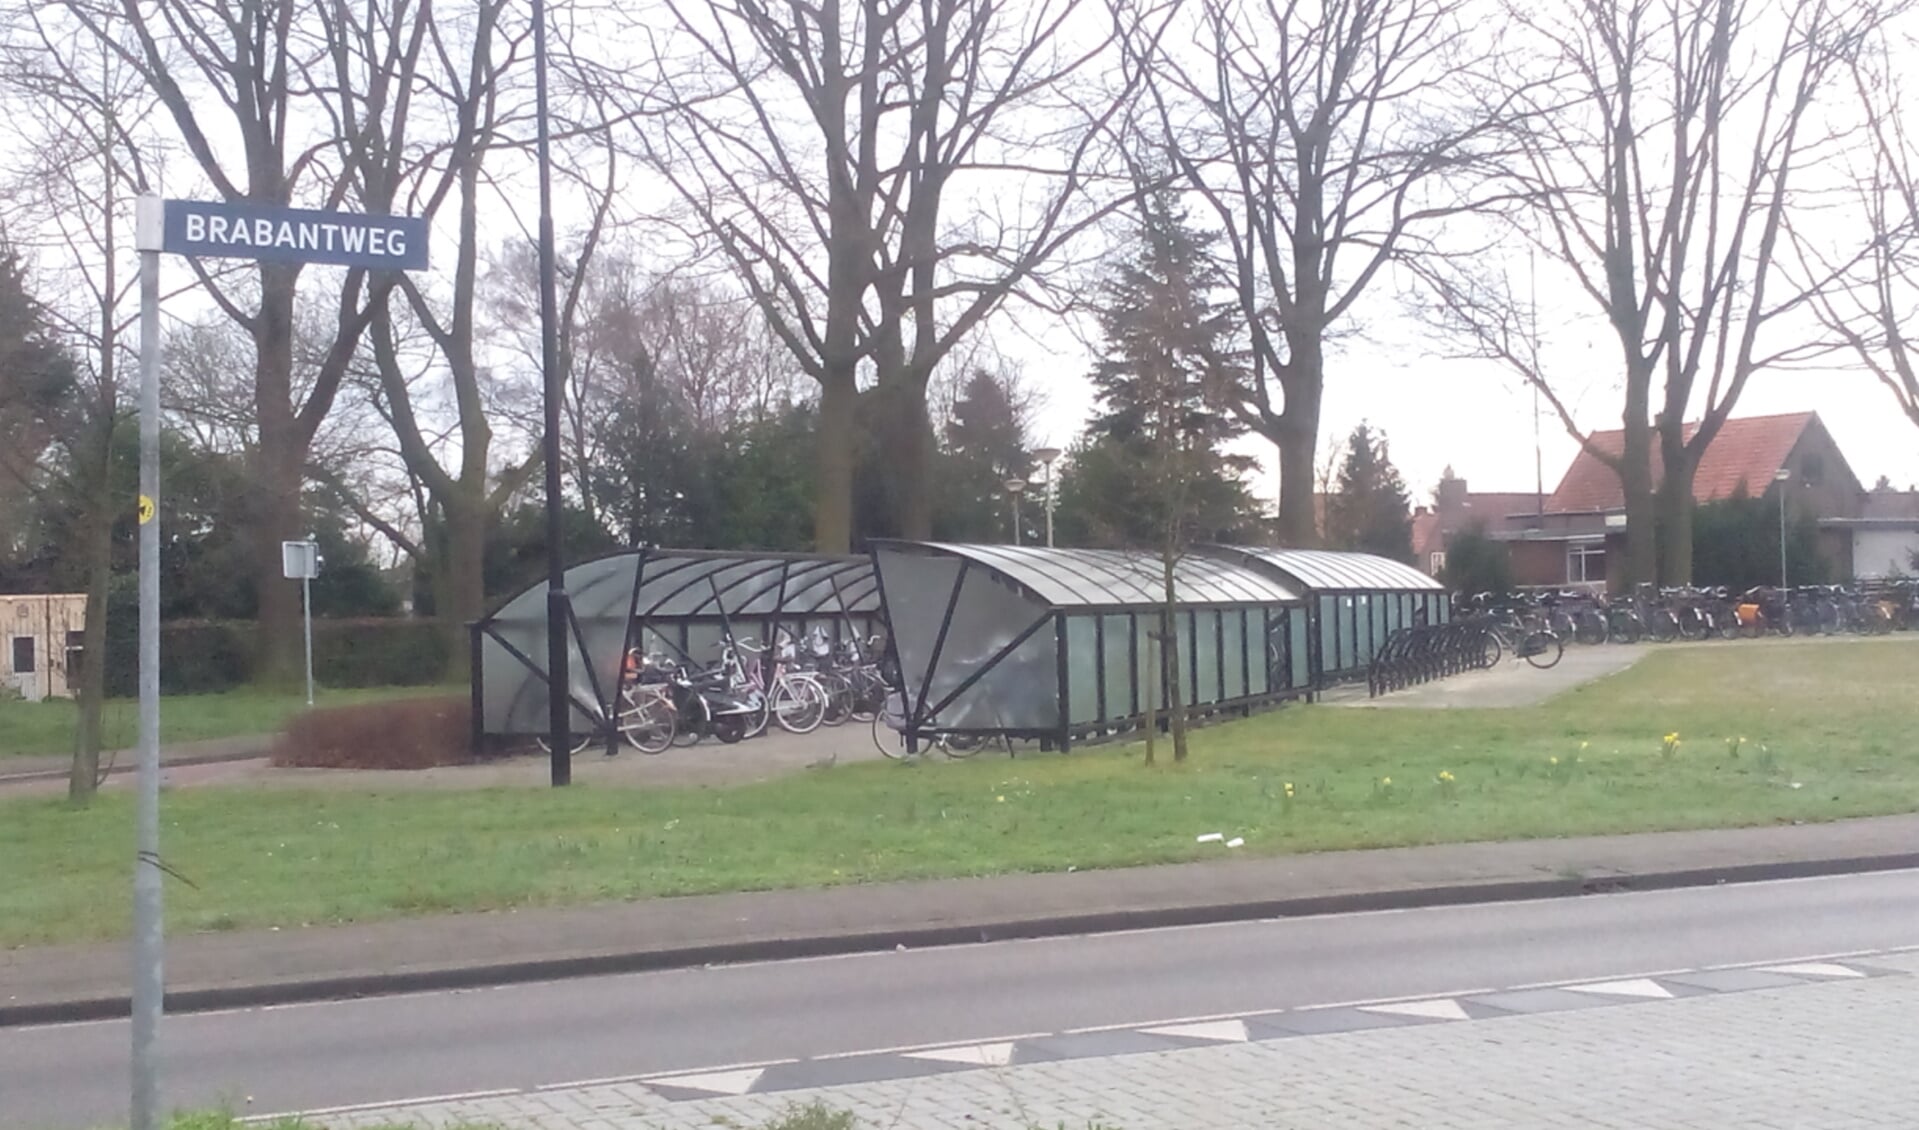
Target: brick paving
1817	1055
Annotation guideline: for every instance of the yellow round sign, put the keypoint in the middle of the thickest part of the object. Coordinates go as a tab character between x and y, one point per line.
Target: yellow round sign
146	510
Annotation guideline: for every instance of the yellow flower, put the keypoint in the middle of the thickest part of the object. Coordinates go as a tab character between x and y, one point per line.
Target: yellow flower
1583	745
1555	761
1385	780
1001	799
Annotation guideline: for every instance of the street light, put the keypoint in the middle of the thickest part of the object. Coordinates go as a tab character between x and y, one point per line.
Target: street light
1013	488
1046	456
1782	476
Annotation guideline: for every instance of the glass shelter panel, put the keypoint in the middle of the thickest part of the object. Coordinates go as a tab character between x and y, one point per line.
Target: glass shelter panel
1233	638
917	590
1206	673
1302	654
1329	633
989	615
1082	667
1119	672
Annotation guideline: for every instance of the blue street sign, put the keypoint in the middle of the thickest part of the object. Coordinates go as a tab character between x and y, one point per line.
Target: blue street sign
294	235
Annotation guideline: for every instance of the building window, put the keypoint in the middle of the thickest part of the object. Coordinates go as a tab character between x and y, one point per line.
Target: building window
23	655
1812	469
1438	562
1586	561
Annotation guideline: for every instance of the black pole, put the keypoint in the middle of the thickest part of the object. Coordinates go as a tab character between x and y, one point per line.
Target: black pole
557	621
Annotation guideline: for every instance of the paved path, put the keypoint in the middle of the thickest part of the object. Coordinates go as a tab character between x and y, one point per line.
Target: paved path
1507	685
1826	1045
708	763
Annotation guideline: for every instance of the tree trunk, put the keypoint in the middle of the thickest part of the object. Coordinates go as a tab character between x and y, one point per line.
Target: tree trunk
835	455
1297	435
279	474
1175	696
1298	515
907	446
1675	523
462	593
1642	522
89	734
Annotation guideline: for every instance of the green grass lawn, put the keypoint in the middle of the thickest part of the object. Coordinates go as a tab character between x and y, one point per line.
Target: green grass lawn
47	727
1829	732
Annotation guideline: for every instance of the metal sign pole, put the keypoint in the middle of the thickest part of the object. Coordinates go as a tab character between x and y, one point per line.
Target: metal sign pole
148	936
306	605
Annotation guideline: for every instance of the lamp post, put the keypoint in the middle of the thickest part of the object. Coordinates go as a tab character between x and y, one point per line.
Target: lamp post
553	385
1782	477
1046	456
1013	489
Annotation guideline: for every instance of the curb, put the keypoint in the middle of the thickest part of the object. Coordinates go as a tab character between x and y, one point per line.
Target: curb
123	766
350	986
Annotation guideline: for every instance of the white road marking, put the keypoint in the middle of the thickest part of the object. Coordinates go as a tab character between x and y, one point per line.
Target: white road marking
1814	969
1443	1009
1636	987
976	1055
1225	1031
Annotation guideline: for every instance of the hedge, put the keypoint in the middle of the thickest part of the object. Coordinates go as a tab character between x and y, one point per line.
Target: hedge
206	657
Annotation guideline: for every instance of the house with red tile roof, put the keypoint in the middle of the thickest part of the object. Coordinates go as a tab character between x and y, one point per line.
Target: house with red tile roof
1582	527
1455	508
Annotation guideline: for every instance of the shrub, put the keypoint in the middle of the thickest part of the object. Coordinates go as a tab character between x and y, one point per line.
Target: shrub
411	733
196	656
211	656
378	653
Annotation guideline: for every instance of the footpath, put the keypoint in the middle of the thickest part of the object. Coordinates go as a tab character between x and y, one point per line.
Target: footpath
34	768
258	967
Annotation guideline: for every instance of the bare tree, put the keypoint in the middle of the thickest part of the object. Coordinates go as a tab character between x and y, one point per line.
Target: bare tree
390	73
1873	302
1661	161
79	114
1327	139
850	158
232	81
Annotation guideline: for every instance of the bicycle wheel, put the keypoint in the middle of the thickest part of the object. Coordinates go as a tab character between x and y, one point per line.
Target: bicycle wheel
1624	630
1489	650
867	701
839	697
692	720
1693	625
648	725
1543	649
887	723
962	746
798	705
1591	630
580	742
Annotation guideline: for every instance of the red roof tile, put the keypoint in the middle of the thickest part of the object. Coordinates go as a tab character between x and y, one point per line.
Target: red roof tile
1747	450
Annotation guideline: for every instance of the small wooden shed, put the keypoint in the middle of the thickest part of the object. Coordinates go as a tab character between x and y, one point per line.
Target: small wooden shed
40	637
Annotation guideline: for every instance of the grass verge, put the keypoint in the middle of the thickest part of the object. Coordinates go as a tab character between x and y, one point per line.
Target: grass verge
46	728
1827	731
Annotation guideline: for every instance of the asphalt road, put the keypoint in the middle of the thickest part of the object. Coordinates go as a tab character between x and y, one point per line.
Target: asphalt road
323	1055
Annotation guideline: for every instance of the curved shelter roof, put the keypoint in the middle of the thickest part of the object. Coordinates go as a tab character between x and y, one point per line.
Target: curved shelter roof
701	583
1068	578
1323	569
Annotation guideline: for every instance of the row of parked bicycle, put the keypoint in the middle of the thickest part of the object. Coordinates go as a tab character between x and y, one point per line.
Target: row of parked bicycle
665	703
1662	614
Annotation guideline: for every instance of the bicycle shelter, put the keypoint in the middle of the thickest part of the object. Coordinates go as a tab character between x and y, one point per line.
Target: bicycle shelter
1358	601
1058	644
681	602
